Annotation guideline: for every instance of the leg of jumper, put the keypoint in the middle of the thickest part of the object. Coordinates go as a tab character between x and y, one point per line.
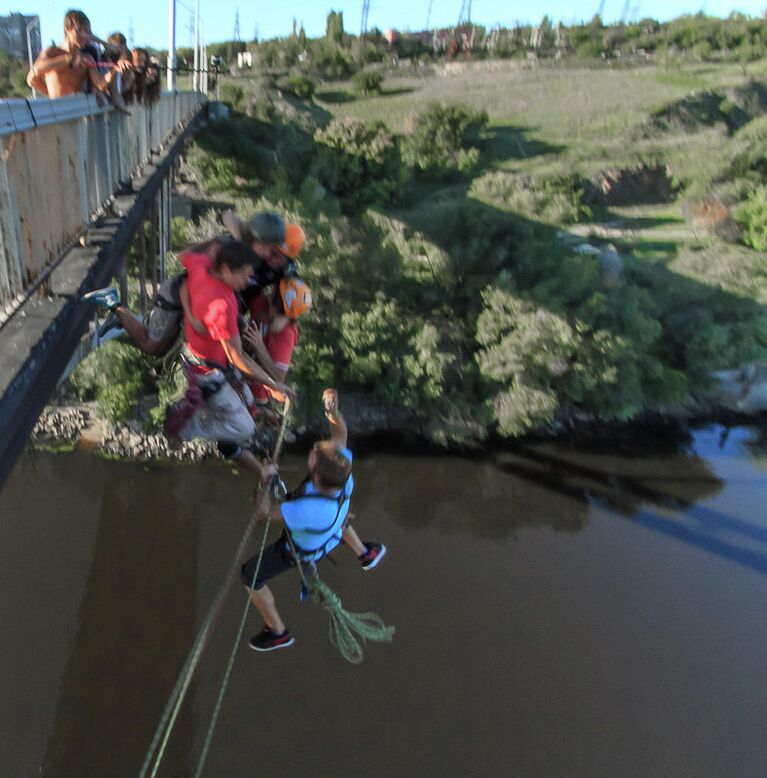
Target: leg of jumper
247	461
352	539
137	330
263	599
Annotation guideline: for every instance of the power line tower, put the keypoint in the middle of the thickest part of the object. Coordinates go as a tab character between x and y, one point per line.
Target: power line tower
625	11
601	8
236	37
364	21
130	34
464	17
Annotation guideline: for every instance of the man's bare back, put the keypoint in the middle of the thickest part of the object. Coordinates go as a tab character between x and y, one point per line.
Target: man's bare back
63	72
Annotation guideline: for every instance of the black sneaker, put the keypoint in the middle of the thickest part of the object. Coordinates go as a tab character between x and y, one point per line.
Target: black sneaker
374	554
266	640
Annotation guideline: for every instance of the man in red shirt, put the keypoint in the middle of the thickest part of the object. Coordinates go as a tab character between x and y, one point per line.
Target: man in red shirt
216	355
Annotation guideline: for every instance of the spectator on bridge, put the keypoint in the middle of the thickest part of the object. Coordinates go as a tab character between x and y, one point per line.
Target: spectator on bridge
152	83
116	52
71	68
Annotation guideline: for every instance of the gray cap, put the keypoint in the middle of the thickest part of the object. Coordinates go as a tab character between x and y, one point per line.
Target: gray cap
268	227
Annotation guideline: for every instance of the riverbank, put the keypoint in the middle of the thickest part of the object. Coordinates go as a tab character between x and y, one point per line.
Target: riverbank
78	425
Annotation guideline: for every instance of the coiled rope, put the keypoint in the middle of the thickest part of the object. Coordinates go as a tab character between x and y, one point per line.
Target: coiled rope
345	629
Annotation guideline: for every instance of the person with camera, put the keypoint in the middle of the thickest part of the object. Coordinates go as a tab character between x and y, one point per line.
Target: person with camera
71	68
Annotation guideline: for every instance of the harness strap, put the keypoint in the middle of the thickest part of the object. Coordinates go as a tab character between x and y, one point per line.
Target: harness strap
340	500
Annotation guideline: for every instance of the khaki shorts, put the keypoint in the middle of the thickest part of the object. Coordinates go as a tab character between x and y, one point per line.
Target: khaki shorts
224	416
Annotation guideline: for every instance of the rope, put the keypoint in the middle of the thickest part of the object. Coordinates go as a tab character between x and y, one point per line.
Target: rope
232	655
241	630
342	624
168	719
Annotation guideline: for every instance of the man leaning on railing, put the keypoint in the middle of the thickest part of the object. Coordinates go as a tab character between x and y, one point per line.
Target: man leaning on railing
70	68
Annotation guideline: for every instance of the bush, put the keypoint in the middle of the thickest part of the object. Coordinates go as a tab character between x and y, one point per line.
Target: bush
333	62
559	199
301	86
368	82
115	375
234	95
752	218
443	140
212	171
360	163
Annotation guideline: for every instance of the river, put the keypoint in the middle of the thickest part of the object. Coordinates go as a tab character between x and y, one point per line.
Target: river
559	611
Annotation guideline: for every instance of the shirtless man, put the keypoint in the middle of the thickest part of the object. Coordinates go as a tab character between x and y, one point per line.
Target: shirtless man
65	70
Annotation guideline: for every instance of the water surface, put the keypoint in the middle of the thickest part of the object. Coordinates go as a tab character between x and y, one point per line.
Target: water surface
559	612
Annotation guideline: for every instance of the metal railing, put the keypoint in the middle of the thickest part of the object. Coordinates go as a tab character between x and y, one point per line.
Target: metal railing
62	160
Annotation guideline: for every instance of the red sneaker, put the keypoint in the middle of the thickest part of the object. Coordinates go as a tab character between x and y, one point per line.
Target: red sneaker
374	554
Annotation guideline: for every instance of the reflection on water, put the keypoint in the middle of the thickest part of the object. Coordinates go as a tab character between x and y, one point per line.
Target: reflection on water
629	641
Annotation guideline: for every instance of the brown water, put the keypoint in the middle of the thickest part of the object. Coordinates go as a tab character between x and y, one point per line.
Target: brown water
558	612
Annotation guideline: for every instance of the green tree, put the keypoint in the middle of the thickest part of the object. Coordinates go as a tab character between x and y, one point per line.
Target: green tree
334	27
444	140
360	163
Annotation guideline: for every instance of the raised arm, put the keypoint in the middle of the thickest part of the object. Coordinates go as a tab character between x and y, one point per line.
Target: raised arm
338	430
236	357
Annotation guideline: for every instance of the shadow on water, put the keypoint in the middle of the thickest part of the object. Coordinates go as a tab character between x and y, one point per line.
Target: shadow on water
630	495
119	672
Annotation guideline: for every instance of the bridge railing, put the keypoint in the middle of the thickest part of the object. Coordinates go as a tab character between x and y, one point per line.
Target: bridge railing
61	161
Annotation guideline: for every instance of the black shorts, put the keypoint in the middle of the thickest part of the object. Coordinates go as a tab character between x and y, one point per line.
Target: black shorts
277	559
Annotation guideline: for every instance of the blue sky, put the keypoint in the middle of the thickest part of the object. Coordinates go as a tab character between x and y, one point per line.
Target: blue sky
150	17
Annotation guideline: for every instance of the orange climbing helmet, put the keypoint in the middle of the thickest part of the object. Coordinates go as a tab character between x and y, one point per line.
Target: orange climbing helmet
296	297
295	239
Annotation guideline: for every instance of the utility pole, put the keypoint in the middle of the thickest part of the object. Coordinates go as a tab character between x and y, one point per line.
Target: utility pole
428	16
33	23
171	73
196	81
131	43
363	31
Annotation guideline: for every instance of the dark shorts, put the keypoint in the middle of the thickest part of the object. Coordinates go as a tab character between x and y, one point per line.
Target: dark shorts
277	559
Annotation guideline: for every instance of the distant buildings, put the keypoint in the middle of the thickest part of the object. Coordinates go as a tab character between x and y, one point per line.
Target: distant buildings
13	35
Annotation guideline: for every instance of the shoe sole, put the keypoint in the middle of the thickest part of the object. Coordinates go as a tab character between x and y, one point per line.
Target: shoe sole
371	565
273	648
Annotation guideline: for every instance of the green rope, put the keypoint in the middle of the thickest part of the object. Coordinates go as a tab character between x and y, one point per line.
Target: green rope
232	655
342	624
345	628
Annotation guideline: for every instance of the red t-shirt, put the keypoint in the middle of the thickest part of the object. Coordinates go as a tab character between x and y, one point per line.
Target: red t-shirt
214	304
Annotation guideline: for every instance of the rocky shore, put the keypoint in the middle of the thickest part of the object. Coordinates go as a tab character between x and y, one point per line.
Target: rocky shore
742	393
80	425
